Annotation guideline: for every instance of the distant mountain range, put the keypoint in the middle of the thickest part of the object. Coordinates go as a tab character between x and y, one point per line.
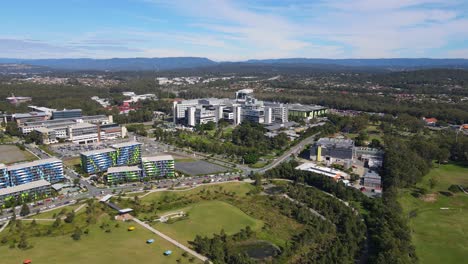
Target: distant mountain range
172	63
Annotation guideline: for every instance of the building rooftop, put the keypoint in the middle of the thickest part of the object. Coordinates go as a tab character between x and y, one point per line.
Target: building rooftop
157	158
330	172
24	187
123	169
372	174
82	125
2	166
305	108
41	108
32	163
337	142
97	151
126	144
43	130
31	114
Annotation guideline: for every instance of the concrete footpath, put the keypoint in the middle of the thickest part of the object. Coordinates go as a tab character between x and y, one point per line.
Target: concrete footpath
177	244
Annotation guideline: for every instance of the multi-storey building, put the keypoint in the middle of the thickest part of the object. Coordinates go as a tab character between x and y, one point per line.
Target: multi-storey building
123	174
46	135
244	107
98	160
50	170
31	191
84	133
128	153
4	177
158	166
67	113
124	154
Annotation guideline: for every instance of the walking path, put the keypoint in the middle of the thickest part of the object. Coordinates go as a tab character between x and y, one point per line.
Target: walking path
4	226
300	203
177	244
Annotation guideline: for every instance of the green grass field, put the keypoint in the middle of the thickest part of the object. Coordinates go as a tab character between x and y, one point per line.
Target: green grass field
119	246
240	188
207	218
50	214
440	235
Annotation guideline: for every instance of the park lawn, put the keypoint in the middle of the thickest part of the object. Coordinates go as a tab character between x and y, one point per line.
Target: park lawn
207	218
72	162
440	236
239	188
118	246
50	214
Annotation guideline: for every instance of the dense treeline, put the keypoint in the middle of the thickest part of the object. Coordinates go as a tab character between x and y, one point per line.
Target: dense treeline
247	140
388	234
336	239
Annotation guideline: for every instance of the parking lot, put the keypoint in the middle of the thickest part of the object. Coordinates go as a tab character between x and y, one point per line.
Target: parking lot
199	167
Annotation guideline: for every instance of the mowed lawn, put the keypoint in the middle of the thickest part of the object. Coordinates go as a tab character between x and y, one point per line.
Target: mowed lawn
440	235
206	218
119	246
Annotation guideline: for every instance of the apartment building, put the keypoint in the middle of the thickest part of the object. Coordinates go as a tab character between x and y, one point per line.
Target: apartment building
123	154
158	166
50	170
116	175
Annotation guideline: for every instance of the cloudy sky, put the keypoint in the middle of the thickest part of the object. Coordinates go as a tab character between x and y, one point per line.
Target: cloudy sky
234	29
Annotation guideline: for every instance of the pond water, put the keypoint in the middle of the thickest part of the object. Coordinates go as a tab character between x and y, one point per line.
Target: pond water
260	249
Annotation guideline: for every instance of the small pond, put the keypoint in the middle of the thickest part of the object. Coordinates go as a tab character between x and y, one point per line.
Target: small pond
260	249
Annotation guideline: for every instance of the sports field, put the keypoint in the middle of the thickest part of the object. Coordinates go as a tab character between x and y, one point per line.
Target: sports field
207	218
11	154
119	246
439	222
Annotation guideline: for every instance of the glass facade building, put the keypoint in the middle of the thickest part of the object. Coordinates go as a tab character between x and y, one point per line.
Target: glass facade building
125	154
4	177
98	160
50	170
123	174
128	153
158	166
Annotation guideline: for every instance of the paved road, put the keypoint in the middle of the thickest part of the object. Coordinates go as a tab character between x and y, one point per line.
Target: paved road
177	244
296	149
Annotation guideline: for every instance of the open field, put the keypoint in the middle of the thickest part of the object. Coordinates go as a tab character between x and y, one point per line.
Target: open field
11	154
207	218
439	235
256	207
239	188
199	167
118	246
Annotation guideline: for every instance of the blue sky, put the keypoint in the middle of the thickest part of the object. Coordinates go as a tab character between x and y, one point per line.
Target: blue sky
234	30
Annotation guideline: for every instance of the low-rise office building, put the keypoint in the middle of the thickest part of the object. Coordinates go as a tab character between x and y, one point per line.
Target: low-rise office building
332	150
372	179
306	111
325	171
158	166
